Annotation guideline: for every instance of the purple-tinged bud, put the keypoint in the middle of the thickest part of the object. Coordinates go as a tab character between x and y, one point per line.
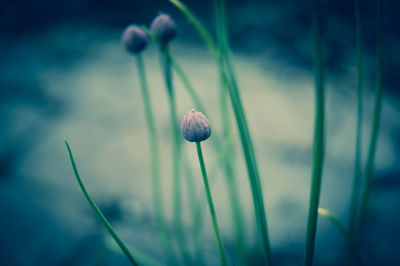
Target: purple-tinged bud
163	28
134	39
195	126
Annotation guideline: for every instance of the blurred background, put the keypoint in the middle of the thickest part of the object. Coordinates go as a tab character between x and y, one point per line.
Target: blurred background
65	74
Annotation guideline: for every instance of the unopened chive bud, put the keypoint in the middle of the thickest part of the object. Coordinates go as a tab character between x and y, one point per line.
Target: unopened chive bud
195	126
134	39
163	28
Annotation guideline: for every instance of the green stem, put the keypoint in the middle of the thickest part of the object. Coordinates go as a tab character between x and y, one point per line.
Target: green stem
143	258
176	153
198	26
165	62
251	163
155	162
355	196
375	124
189	88
220	17
92	204
211	206
250	157
346	234
220	160
318	153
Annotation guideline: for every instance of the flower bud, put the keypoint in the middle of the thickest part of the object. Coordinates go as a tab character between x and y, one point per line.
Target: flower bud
134	39
195	126
163	28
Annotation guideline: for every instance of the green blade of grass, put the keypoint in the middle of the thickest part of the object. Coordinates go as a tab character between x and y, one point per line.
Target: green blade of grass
237	214
357	180
249	155
143	258
355	195
92	204
375	124
318	146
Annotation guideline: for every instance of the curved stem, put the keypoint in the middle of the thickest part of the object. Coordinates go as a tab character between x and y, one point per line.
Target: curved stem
143	258
204	34
375	124
92	204
318	153
155	162
211	205
346	234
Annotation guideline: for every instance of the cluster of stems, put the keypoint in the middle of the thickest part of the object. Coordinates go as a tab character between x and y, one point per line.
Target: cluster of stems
229	91
228	75
375	126
361	183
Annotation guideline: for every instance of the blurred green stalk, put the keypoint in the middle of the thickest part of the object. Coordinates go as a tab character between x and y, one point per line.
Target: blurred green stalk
211	206
165	61
375	124
248	150
189	88
318	150
175	140
155	164
251	162
355	196
237	216
92	204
